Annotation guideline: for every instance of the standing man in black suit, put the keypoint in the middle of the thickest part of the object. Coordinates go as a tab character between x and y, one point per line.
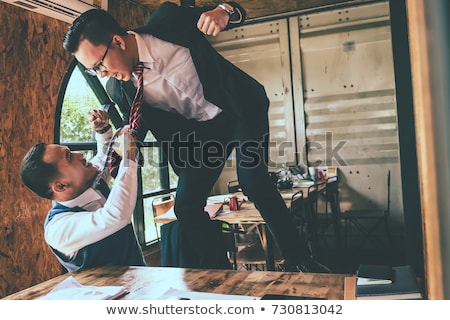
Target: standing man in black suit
198	104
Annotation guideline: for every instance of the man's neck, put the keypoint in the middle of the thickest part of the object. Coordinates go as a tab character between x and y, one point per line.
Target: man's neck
130	41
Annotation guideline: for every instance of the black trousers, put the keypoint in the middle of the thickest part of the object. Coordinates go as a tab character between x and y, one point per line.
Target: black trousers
198	154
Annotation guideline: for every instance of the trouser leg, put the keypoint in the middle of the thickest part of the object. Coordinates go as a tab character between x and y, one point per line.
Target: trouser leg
199	164
197	227
252	168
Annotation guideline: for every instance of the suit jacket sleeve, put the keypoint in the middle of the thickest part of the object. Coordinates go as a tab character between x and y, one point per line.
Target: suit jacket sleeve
171	17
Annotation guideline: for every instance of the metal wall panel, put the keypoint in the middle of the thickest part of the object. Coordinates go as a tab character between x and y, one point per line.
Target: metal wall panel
262	50
329	76
346	111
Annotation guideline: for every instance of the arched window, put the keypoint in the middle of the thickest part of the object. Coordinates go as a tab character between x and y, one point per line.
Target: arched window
80	93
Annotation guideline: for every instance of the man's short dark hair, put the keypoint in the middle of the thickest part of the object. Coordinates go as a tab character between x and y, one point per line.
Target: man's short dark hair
36	174
95	25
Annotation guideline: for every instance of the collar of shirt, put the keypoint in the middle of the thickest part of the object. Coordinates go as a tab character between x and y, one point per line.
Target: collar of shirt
144	53
83	199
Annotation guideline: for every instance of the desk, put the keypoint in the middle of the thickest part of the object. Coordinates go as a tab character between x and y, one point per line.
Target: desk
149	283
247	214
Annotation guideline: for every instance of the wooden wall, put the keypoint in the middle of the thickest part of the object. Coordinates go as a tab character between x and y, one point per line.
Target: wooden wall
32	64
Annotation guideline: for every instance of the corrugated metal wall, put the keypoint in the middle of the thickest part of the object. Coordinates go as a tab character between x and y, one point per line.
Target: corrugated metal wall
330	78
345	101
348	85
262	50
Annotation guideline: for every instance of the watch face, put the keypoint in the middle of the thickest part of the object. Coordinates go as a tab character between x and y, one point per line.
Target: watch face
228	8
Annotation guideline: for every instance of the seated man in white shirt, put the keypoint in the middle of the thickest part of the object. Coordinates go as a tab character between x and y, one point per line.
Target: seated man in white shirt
88	225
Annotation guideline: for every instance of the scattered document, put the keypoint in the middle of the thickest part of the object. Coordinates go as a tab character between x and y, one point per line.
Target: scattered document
71	289
214	209
175	294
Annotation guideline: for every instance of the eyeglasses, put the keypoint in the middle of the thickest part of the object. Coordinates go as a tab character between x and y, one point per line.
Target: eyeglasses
99	66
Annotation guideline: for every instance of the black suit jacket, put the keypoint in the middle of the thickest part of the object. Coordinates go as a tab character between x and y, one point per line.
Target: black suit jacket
224	84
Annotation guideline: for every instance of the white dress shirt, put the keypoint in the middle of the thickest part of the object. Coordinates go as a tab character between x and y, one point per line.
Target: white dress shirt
171	82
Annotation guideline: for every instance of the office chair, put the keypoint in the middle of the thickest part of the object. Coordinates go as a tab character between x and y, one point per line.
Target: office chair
331	216
246	234
303	210
311	205
252	256
228	233
367	221
160	205
300	211
249	251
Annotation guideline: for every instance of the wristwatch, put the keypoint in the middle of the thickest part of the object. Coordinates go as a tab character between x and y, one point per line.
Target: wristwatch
227	8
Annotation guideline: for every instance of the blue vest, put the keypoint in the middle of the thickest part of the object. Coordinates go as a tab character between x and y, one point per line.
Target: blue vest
119	249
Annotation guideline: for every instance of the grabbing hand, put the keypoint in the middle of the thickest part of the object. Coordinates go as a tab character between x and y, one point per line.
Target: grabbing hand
213	21
98	119
125	144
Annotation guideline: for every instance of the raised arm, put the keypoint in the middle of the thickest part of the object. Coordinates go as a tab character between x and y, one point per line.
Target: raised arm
183	21
224	16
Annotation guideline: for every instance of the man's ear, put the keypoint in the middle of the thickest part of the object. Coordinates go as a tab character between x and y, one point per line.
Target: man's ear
119	41
62	190
58	186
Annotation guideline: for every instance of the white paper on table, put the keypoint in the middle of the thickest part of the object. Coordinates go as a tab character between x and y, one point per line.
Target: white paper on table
71	289
175	294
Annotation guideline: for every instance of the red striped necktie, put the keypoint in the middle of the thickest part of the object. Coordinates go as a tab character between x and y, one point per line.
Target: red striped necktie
135	111
134	121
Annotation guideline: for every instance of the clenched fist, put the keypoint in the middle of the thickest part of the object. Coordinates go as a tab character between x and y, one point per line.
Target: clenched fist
98	119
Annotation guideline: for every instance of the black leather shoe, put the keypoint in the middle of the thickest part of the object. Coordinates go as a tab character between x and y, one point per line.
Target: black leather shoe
313	266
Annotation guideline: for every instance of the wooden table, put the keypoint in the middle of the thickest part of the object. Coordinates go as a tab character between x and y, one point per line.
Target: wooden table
248	214
150	283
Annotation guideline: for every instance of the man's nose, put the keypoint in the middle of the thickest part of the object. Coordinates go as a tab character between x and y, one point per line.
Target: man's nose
79	155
